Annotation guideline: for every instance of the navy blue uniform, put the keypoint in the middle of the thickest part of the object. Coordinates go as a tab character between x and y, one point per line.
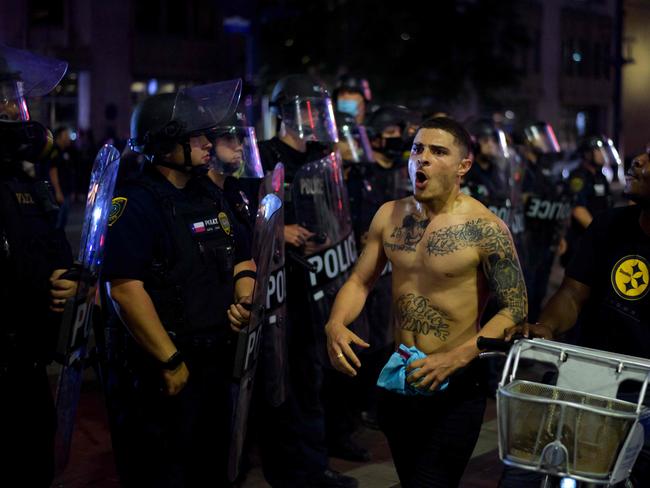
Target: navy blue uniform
547	210
589	190
183	246
31	248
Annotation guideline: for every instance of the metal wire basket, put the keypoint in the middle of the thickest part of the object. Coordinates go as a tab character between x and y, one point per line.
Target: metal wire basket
577	427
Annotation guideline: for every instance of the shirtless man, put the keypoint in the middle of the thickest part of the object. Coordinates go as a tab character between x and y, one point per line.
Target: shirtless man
449	253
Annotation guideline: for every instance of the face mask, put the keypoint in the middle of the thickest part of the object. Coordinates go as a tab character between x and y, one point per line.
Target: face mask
393	145
348	107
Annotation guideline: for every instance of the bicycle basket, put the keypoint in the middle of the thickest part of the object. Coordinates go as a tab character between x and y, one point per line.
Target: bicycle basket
559	431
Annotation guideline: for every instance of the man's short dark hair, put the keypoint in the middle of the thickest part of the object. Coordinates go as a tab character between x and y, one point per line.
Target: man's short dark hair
456	129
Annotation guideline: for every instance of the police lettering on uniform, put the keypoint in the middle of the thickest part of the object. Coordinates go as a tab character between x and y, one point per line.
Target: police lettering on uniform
173	275
547	208
33	256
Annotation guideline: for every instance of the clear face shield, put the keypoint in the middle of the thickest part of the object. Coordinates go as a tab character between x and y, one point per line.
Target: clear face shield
494	146
13	106
354	144
234	152
24	74
606	155
312	119
201	108
542	138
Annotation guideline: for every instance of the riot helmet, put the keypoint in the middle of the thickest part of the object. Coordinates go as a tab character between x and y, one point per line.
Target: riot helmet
234	149
353	144
352	95
161	122
541	137
599	151
490	143
22	75
304	107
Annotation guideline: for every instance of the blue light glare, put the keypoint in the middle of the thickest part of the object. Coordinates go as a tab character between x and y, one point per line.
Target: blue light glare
577	57
568	483
152	86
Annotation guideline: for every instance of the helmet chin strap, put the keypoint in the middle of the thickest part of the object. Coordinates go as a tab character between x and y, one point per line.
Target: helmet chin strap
187	167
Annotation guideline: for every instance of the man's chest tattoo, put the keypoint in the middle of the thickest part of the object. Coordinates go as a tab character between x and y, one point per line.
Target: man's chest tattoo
475	233
408	235
416	314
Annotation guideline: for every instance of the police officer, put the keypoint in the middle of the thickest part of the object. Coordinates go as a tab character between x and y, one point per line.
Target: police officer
352	96
387	129
177	273
547	209
589	188
293	446
33	256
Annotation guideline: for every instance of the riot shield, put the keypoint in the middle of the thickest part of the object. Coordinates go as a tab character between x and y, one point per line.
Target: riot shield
274	340
321	206
75	326
268	253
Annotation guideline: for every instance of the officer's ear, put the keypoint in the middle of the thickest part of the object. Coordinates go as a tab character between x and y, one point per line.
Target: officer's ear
464	166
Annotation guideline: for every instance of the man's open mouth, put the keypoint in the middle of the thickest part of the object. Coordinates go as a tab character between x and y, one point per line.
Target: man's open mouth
420	177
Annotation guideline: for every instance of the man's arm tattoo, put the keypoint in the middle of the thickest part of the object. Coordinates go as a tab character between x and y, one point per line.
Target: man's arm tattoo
415	314
409	234
500	263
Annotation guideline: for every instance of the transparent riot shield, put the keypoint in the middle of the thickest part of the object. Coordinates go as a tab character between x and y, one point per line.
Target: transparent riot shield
274	340
75	327
320	201
266	247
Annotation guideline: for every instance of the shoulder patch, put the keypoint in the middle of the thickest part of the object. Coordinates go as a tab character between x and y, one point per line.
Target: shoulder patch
576	184
630	277
118	204
225	222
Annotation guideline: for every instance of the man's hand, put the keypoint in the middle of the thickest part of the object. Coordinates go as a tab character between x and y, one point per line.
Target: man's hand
238	315
296	235
175	380
436	368
529	331
60	290
339	338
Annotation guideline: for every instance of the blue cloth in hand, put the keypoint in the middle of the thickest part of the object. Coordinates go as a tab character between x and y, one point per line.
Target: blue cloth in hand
393	376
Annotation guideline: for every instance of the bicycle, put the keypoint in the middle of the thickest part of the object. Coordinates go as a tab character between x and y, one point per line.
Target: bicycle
570	423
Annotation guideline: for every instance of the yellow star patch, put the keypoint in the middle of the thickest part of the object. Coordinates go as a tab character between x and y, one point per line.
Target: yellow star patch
630	277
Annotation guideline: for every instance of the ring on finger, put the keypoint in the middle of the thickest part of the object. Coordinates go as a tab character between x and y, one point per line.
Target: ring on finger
339	355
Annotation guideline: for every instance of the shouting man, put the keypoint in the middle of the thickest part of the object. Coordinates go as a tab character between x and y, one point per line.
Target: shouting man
448	253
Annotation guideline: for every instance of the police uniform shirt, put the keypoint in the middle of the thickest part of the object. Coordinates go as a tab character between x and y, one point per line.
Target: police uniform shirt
31	248
138	232
590	190
547	207
613	259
